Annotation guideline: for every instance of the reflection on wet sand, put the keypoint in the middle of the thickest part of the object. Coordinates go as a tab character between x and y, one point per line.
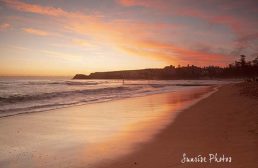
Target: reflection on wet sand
86	135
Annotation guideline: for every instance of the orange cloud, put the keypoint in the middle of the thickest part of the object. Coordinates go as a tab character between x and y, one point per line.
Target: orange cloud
42	10
37	32
128	37
21	6
132	3
131	37
4	26
169	58
127	2
174	54
121	34
223	13
80	42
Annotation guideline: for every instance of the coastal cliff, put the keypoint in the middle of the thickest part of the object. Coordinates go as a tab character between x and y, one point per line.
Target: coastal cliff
157	73
180	72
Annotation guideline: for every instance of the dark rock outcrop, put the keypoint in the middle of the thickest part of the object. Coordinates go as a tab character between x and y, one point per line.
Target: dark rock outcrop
80	76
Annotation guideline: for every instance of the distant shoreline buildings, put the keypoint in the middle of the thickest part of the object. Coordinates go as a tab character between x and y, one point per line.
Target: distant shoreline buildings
240	69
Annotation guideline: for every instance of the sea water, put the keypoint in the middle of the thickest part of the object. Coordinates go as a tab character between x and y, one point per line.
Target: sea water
26	95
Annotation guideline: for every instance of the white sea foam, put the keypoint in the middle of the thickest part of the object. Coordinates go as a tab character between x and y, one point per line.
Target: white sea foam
27	95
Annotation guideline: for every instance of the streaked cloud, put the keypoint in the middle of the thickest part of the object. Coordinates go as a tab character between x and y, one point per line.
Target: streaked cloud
81	42
238	16
32	8
37	32
166	32
4	26
116	31
129	3
50	53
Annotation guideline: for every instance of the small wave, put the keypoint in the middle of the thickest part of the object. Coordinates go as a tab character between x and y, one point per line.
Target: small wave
152	85
60	83
193	85
18	97
44	96
80	83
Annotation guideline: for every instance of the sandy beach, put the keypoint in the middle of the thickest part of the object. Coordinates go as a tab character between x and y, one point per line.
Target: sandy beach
82	136
128	84
224	123
143	132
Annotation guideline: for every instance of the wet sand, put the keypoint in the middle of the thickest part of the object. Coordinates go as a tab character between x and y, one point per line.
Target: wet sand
142	132
89	135
224	123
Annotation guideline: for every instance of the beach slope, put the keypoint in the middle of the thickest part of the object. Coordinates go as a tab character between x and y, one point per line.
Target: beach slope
224	123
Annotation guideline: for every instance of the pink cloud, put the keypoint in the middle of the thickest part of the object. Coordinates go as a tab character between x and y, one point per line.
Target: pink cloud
4	26
131	37
37	32
175	7
129	3
22	6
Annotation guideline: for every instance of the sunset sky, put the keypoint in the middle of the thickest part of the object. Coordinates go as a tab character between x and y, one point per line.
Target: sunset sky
65	37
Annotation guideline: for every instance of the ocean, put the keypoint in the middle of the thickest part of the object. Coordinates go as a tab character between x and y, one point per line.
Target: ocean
21	95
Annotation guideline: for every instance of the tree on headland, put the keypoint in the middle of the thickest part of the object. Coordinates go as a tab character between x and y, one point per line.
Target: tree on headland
240	69
255	61
242	60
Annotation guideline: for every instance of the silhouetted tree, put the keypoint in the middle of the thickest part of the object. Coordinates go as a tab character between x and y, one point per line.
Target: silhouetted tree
255	61
239	69
242	60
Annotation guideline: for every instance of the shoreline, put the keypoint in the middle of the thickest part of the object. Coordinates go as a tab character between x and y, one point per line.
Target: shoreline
150	131
87	134
222	125
114	99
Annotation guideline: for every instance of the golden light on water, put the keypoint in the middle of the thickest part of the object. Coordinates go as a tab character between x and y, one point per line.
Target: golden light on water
97	132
